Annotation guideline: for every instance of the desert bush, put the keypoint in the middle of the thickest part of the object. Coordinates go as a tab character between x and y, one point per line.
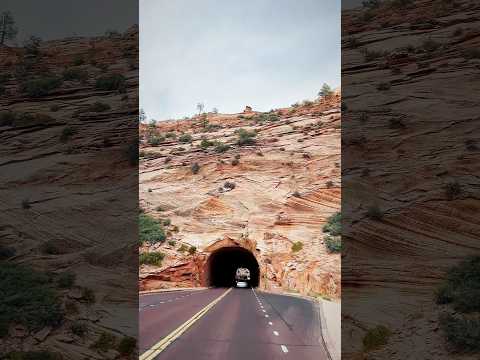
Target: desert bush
333	244
41	86
245	137
205	144
229	185
172	242
155	140
235	162
166	222
297	246
374	213
27	299
111	82
170	135
462	333
329	184
453	190
72	74
183	248
325	92
383	86
221	147
127	346
66	280
376	337
6	252
104	342
78	60
67	133
79	328
192	250
333	225
150	230
195	168
185	138
151	258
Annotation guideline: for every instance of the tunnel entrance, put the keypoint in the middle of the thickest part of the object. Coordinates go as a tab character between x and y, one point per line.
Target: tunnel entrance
223	263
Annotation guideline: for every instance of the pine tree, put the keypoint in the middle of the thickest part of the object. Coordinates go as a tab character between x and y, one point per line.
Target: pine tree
8	30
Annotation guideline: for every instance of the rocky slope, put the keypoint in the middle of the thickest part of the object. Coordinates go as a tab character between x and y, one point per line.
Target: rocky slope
68	187
284	188
410	74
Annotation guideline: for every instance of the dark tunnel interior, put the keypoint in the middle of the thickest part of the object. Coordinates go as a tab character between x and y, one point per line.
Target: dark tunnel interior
223	264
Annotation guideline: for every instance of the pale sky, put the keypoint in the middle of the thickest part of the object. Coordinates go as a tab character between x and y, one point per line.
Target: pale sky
229	54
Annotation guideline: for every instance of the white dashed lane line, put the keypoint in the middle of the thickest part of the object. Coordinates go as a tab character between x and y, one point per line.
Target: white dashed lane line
270	323
284	348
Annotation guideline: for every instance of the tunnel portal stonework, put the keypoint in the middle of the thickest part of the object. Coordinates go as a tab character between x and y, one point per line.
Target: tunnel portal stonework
202	270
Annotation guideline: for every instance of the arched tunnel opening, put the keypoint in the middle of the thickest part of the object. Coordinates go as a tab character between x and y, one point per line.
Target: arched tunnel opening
223	263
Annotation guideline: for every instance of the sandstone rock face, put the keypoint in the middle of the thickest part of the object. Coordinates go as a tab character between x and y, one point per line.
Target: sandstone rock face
63	192
286	185
404	141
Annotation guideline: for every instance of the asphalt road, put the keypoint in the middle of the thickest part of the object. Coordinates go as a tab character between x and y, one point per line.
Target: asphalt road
246	324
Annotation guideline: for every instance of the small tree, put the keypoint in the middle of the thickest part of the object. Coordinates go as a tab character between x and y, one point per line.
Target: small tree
326	91
8	30
200	107
215	110
142	117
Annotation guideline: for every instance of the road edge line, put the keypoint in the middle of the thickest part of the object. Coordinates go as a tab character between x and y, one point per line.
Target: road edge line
160	346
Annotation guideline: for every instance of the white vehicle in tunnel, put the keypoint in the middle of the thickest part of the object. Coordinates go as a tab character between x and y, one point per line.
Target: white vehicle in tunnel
241	284
242	276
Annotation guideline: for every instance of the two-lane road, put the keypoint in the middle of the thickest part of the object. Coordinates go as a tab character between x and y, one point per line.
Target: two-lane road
244	324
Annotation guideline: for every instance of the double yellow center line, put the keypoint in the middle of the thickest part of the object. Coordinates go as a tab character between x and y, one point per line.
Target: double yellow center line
175	334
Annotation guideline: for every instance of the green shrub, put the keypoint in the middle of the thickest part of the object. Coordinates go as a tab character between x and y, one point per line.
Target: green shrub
246	137
111	82
127	346
462	333
333	244
192	250
383	86
150	229
229	185
374	213
155	140
41	86
66	280
6	252
333	225
151	258
297	246
185	138
221	148
183	248
27	299
195	168
205	144
67	133
166	222
79	328
172	242
75	74
105	342
376	337
453	190
170	135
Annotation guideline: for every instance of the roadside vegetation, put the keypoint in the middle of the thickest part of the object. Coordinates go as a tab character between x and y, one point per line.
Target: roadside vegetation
460	294
29	298
333	233
150	230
